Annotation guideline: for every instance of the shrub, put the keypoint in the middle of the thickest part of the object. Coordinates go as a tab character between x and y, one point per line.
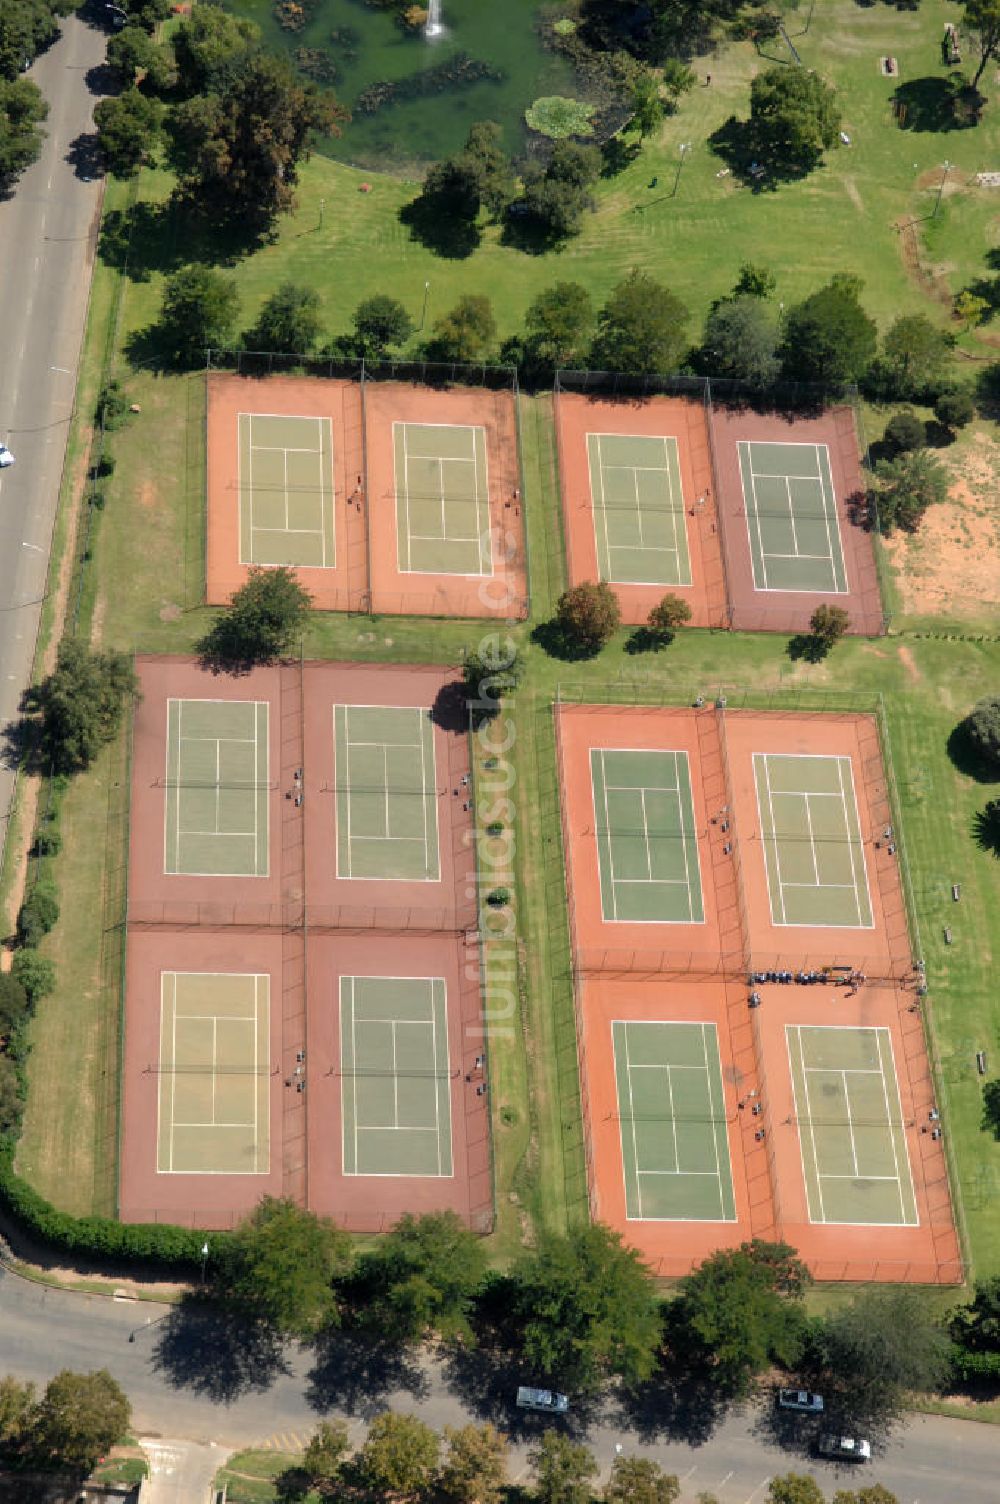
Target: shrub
13	1002
36	974
48	837
904	432
39	913
669	614
589	614
981	729
955	409
112	404
499	898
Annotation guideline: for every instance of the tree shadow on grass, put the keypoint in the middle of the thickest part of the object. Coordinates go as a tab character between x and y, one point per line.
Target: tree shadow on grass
446	234
937	104
807	648
354	1370
161	238
967	758
986	828
216	1353
645	640
617	155
553	638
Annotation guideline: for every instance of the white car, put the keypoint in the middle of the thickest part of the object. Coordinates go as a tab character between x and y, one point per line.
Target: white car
845	1448
6	458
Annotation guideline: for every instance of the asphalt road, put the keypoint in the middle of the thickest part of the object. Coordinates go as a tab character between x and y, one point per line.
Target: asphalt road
184	1385
48	230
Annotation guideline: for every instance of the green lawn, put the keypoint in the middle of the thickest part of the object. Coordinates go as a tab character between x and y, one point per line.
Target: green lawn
248	1477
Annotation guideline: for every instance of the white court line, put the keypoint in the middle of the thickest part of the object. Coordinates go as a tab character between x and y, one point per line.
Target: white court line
712	1117
892	1128
809	1119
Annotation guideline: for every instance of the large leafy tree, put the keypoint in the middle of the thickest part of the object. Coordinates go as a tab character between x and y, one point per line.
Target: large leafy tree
289	322
908	485
199	311
381	323
26	27
642	328
976	1326
794	118
878	1352
914	357
588	615
82	703
422	1277
982	21
640	1480
563	1468
79	1418
128	127
238	147
475	1469
828	338
557	195
265	617
466	333
207	44
738	1312
586	1307
741	341
399	1459
278	1268
657	30
480	176
794	1488
22	110
558	326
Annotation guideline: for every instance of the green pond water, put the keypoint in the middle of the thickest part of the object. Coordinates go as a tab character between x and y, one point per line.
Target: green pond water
368	48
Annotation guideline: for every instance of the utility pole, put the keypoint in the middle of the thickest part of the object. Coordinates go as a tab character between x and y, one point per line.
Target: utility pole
683	149
946	168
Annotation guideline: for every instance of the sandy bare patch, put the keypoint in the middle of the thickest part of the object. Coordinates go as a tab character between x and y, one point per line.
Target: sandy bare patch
170	612
149	496
951	566
854	194
908	661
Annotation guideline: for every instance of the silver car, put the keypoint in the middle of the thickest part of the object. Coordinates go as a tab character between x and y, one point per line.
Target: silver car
542	1399
801	1400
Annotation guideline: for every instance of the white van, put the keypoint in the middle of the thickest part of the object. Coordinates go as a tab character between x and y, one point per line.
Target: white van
542	1399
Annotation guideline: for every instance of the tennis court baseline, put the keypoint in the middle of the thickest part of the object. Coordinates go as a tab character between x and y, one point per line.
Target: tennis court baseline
387	823
215	810
647	845
811	837
286	490
672	1120
851	1131
638	505
442	499
214	1074
791	513
396	1100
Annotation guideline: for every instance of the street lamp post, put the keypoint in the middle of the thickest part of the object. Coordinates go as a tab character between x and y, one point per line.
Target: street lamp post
204	1260
945	169
683	149
423	311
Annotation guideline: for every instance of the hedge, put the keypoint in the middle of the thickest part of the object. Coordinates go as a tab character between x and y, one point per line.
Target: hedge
972	1367
157	1244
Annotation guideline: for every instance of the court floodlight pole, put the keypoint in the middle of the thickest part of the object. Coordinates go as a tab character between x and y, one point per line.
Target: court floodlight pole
945	169
423	311
684	148
204	1259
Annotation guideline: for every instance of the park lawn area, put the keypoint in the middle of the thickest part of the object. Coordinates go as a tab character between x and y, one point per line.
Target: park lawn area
248	1477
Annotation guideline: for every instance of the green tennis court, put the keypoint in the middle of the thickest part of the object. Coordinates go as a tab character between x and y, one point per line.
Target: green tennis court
811	836
442	499
672	1119
396	1100
851	1131
635	488
387	824
286	490
215	811
792	521
214	1074
647	846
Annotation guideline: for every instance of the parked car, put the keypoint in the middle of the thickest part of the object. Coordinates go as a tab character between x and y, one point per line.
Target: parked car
542	1399
801	1400
6	458
845	1448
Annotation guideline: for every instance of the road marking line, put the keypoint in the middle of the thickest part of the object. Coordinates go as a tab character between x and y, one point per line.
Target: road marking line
64	369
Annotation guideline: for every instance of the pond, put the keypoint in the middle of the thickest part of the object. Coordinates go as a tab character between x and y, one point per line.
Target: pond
412	97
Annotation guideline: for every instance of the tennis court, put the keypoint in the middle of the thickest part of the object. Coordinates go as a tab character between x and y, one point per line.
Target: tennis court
647	846
215	811
442	499
672	1119
851	1131
791	513
635	487
214	1074
387	823
286	490
811	836
396	1101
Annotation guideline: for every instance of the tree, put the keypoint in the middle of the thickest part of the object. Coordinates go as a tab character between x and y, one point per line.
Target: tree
589	615
26	27
754	281
79	1418
199	311
557	196
36	974
738	1312
22	110
955	409
563	1470
262	622
13	1002
17	1403
131	51
238	148
586	1309
422	1277
875	1493
475	1470
794	1488
323	1458
828	337
667	615
981	730
878	1352
828	625
991	1105
558	326
381	323
207	44
128	126
490	671
490	164
914	357
909	485
741	341
289	322
794	118
648	108
278	1265
639	1480
970	308
400	1456
82	703
479	176
641	329
466	334
904	432
982	21
976	1326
